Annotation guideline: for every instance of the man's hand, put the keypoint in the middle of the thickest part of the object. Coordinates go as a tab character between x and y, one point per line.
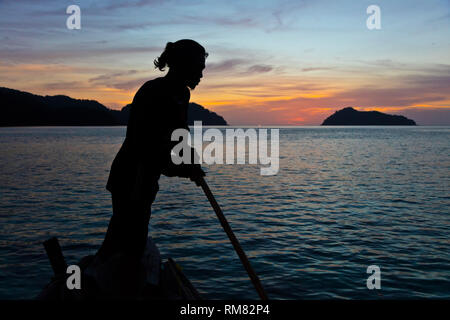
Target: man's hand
191	171
197	173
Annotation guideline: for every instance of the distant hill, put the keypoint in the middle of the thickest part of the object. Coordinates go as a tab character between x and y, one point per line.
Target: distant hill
21	108
351	117
195	113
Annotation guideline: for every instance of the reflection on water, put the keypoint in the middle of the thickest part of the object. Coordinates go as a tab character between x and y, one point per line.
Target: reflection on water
344	198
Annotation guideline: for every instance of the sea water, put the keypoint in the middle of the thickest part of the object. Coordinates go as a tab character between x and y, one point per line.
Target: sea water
344	199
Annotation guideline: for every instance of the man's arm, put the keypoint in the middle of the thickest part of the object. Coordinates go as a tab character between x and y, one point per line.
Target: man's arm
153	127
193	169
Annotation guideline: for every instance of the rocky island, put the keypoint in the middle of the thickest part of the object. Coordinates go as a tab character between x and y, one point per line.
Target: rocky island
351	117
21	108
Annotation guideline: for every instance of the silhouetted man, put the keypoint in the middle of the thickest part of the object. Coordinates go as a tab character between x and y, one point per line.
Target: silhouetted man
159	107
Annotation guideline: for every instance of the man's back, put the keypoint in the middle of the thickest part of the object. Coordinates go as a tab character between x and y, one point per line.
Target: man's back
156	111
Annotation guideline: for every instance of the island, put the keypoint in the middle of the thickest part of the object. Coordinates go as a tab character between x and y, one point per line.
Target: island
351	117
21	108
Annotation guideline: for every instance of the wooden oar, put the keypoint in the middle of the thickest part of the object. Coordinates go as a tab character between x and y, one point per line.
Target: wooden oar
223	221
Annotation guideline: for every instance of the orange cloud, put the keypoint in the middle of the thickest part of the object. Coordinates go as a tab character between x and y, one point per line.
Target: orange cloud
263	96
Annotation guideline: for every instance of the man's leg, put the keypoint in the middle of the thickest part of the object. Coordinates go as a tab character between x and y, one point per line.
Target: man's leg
127	234
128	228
111	242
134	228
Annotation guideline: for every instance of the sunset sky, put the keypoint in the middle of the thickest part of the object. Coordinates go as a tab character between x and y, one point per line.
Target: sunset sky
270	62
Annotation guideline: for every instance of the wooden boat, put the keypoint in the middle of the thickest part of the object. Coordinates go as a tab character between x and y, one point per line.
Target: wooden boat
155	280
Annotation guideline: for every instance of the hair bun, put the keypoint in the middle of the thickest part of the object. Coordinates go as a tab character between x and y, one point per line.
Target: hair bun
169	45
174	53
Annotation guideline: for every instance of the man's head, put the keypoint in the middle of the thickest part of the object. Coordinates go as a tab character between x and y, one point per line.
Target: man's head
185	59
